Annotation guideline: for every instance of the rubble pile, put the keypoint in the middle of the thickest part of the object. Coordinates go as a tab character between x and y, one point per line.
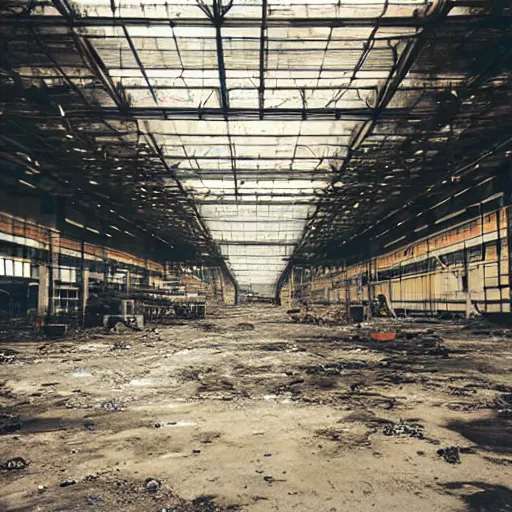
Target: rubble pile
404	429
9	423
320	315
13	464
503	405
8	356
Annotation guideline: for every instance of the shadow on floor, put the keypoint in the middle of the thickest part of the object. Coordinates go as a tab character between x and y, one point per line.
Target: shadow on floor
493	434
488	497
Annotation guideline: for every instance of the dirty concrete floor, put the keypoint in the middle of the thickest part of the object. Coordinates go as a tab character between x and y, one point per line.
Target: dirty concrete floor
248	411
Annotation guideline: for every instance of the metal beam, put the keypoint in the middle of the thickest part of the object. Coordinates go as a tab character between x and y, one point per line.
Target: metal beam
261	89
248	114
390	21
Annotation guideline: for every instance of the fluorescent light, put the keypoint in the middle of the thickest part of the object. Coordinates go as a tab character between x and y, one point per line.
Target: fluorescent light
92	230
26	183
395	241
450	216
62	113
73	223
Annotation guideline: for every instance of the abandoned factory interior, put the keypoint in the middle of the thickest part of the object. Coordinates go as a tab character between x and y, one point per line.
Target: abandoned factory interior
255	255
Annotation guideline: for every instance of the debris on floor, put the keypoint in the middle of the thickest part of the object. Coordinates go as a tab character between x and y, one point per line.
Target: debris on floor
244	326
121	345
8	356
451	454
403	429
152	485
9	423
67	483
14	464
202	411
382	337
319	315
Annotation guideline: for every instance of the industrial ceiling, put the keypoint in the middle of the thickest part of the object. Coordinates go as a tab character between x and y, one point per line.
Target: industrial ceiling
254	131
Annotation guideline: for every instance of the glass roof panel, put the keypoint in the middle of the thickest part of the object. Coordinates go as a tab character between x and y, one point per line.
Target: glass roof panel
254	112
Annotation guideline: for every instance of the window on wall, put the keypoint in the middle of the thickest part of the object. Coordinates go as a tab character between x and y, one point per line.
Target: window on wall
18	268
67	275
66	300
10	267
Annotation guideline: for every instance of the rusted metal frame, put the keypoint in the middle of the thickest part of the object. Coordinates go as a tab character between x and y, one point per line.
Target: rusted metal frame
298	68
217	17
263	54
31	133
248	114
64	75
181	189
470	200
310	88
90	57
139	63
256	242
401	69
41	44
269	193
214	157
100	71
388	21
368	46
255	173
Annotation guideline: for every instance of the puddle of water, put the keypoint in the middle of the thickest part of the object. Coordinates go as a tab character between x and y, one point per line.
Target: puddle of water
141	382
82	373
180	402
173	455
182	424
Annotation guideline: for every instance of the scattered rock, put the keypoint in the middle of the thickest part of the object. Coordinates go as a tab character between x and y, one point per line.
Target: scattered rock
120	328
121	345
110	405
152	485
245	326
14	464
9	423
8	356
404	430
93	500
41	488
450	454
67	483
89	424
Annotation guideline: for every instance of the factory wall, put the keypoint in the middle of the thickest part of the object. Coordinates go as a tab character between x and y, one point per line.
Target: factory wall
463	269
29	248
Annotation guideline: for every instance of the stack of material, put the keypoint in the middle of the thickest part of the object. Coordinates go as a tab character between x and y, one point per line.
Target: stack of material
320	315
